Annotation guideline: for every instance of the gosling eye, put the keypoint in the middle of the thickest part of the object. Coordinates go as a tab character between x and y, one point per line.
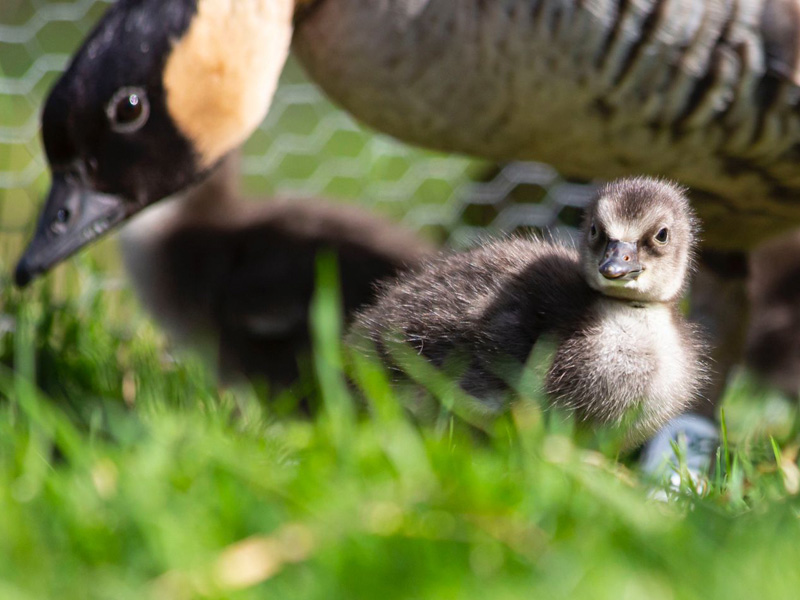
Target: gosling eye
593	231
662	237
128	110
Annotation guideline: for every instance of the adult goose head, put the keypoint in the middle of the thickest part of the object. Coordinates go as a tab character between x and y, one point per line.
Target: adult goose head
157	95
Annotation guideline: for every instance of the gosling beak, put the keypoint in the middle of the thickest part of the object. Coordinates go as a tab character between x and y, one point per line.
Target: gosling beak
73	215
620	261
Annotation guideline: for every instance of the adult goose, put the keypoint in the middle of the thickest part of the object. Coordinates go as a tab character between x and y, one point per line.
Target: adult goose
703	91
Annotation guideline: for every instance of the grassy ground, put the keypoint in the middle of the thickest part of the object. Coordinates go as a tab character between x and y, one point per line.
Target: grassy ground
125	473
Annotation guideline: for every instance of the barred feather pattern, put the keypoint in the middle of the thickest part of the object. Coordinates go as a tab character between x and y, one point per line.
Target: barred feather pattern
703	91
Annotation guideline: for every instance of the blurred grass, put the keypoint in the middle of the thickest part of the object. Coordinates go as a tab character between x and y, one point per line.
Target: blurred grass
126	473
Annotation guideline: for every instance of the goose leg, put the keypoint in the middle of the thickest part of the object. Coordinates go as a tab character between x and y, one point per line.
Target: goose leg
773	343
719	303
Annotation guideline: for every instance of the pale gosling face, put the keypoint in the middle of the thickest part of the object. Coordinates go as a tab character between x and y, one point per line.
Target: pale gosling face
638	240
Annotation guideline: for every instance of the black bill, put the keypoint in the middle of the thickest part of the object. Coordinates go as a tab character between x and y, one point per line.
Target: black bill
73	216
620	260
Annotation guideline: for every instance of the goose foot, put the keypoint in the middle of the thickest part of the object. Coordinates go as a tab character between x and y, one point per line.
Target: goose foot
685	446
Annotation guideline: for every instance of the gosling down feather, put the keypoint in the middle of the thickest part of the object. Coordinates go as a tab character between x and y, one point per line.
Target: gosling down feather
622	346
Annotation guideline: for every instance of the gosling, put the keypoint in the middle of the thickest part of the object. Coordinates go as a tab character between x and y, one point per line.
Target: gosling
234	278
623	353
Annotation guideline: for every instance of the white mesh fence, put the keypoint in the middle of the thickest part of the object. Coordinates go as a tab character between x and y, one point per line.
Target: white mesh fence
305	146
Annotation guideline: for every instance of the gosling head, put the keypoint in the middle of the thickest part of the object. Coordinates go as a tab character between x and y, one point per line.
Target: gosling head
158	93
639	236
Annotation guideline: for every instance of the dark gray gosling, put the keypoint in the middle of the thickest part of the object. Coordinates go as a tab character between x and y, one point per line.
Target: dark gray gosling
235	278
622	348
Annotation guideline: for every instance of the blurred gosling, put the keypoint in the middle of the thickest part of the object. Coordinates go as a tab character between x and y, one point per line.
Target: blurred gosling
235	278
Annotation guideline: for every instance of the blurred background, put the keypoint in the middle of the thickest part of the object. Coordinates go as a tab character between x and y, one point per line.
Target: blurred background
305	147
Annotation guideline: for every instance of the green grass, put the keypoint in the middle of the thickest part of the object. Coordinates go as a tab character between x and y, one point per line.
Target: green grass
126	473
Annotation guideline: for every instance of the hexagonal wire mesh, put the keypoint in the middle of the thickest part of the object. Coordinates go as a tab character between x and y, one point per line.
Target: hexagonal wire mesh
305	146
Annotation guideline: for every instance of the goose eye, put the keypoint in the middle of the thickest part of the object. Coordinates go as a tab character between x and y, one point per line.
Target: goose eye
128	110
662	236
